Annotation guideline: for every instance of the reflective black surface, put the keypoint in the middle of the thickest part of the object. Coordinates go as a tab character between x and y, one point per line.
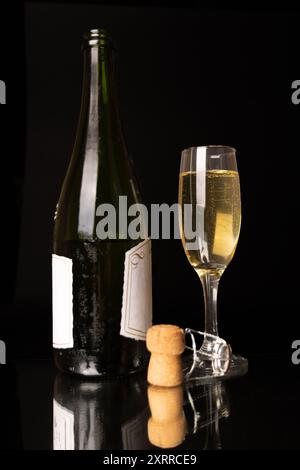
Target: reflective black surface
43	409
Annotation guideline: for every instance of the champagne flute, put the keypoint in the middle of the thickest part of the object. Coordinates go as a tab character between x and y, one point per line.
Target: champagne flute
210	219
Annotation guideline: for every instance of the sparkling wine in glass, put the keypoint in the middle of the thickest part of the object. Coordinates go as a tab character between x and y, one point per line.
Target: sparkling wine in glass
210	219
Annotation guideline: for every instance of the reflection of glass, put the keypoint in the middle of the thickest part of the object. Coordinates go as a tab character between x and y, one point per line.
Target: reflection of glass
205	405
93	415
210	217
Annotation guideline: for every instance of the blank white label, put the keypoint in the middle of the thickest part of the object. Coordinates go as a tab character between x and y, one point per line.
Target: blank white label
63	428
136	315
62	302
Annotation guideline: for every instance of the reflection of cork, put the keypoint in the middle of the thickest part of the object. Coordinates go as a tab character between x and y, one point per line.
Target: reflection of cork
167	425
166	343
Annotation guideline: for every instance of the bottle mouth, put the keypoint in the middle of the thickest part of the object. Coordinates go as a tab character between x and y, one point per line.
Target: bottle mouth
97	37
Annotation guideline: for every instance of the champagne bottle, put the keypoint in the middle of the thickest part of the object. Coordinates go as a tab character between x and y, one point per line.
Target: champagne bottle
102	304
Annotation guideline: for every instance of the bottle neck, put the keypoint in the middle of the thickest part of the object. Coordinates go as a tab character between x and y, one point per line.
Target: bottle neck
99	133
99	108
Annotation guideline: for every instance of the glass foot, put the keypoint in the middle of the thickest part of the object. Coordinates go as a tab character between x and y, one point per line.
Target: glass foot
206	370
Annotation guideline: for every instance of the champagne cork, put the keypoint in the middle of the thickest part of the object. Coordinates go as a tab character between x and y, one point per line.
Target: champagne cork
166	343
167	425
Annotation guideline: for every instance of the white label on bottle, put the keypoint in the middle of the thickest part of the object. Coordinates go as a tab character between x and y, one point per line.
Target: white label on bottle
62	302
63	428
136	315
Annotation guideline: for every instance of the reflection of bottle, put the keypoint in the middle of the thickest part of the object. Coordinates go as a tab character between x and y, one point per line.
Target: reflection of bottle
92	415
101	273
167	425
208	404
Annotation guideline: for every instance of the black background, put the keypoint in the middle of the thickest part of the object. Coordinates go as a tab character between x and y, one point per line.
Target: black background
187	75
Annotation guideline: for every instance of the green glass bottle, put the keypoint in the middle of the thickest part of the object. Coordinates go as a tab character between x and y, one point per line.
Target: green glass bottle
102	299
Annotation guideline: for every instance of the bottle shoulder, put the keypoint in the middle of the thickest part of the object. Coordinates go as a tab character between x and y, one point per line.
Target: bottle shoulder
93	183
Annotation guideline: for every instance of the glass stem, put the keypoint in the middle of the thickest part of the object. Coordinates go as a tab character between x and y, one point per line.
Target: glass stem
210	284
